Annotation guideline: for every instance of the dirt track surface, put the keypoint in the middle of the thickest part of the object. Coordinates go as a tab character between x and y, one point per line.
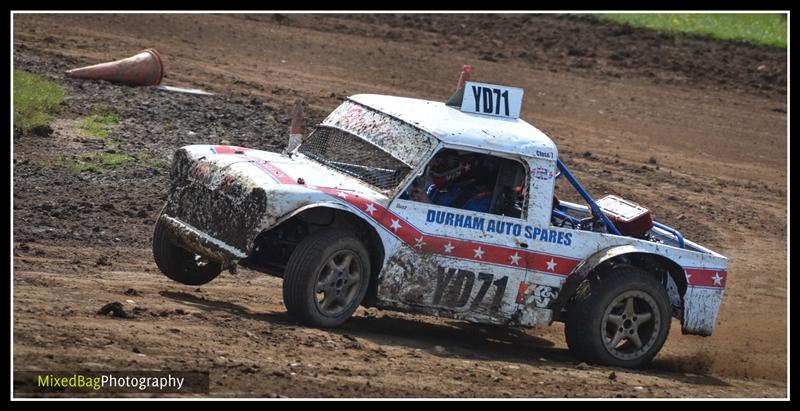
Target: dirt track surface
693	129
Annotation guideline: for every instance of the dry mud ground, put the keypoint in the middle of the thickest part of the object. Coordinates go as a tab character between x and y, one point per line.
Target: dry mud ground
694	129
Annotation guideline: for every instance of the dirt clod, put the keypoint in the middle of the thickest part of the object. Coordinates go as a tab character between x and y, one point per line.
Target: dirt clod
42	131
103	260
115	309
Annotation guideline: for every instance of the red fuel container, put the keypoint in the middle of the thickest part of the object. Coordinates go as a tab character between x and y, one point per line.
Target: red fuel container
631	219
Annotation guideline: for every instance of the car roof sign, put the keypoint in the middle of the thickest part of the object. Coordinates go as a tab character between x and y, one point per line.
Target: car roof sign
492	100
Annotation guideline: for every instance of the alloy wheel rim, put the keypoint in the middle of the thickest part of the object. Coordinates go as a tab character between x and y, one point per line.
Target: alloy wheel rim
630	325
338	283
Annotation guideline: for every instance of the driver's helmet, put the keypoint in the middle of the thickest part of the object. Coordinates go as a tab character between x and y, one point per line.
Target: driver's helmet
450	166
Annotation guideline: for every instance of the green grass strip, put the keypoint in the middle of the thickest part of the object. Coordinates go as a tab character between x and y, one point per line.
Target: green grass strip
757	28
35	99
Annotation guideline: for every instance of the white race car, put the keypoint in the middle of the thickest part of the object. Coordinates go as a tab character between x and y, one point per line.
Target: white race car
419	206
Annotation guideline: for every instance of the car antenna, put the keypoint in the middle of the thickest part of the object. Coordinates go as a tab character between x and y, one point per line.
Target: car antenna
455	99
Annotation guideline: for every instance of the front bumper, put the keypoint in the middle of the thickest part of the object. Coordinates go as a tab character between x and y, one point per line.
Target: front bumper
192	239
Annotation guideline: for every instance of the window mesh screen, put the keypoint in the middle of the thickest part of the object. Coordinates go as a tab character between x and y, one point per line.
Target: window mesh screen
350	154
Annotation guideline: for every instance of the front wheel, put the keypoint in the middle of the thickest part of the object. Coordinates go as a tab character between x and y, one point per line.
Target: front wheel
181	265
620	318
326	278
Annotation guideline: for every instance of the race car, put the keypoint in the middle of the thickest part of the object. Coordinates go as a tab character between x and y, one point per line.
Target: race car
443	209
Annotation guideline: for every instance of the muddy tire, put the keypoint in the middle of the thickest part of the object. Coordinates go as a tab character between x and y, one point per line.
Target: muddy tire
619	318
326	278
179	264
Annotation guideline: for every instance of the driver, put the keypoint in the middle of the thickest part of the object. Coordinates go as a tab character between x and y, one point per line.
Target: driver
457	180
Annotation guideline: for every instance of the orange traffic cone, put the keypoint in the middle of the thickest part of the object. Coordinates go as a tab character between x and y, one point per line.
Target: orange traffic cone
455	99
143	69
296	130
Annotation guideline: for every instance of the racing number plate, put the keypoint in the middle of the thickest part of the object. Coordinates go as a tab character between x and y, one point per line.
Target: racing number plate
491	99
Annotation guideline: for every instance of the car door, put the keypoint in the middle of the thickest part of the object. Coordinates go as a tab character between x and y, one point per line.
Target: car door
457	262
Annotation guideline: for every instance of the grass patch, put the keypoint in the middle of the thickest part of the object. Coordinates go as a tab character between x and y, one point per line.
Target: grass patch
115	159
35	100
147	160
100	162
99	124
761	29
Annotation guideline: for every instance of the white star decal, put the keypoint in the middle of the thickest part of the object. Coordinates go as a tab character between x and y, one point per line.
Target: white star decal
479	252
420	243
688	277
370	208
448	248
343	195
717	279
395	225
515	258
551	265
467	167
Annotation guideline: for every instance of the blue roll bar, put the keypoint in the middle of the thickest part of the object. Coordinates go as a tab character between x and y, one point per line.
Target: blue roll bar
560	214
672	231
595	208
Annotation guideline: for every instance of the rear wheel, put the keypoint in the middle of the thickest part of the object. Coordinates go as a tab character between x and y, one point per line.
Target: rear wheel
179	264
620	318
326	278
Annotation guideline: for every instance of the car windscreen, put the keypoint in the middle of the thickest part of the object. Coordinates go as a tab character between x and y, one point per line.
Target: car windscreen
401	140
350	154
